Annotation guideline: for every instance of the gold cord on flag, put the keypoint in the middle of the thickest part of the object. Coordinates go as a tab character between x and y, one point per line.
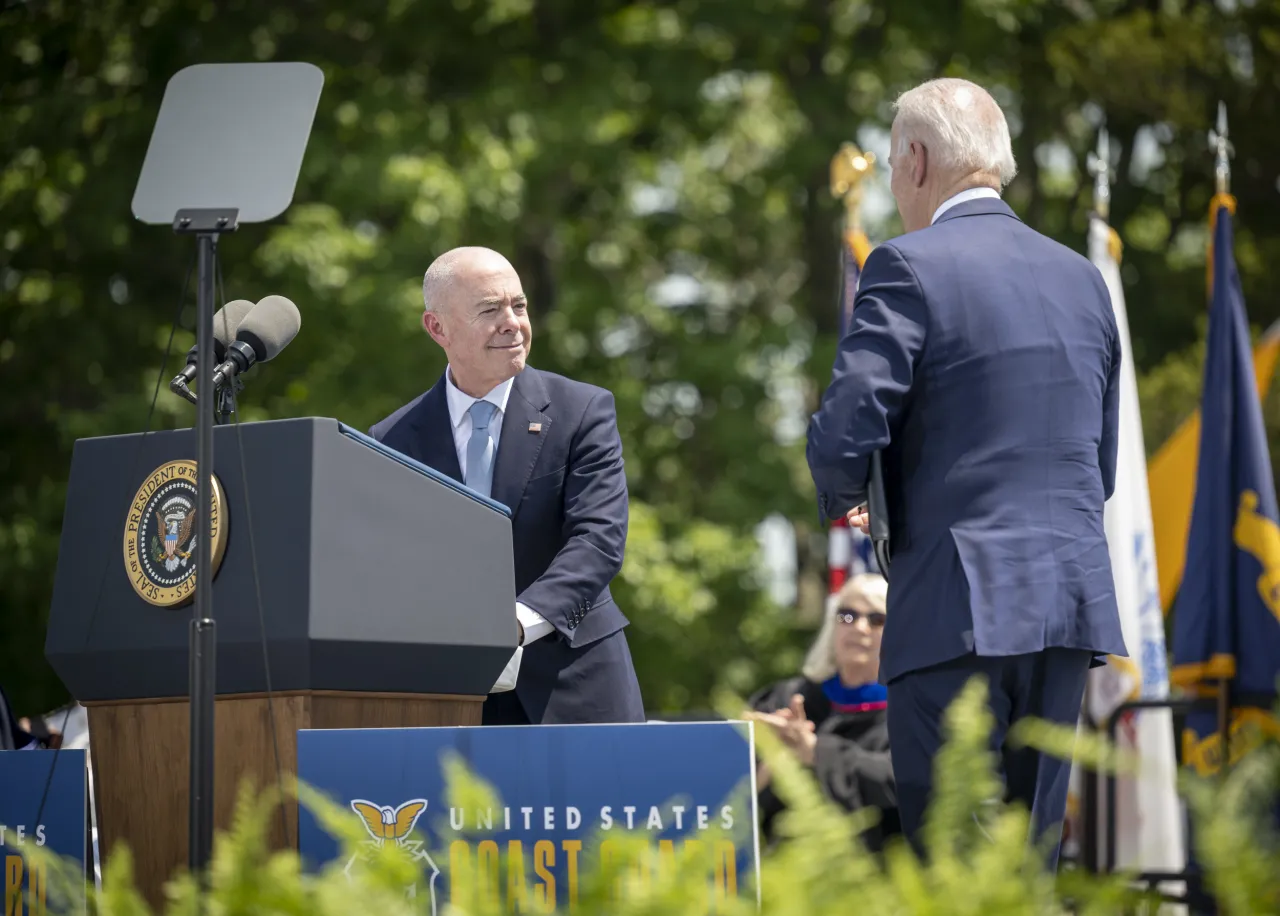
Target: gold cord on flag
859	245
1115	247
1220	200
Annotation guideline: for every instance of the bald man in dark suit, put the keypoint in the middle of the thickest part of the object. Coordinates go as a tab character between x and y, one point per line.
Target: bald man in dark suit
548	448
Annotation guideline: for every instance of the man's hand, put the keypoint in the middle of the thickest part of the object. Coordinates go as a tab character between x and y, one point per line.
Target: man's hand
859	518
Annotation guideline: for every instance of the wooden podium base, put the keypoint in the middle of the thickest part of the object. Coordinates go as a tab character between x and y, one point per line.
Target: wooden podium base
141	761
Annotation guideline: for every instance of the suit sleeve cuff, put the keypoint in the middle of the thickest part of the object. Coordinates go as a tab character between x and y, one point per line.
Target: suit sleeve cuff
535	625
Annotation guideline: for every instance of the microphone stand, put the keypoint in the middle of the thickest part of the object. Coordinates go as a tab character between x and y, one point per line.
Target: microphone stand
207	225
226	397
227	401
179	387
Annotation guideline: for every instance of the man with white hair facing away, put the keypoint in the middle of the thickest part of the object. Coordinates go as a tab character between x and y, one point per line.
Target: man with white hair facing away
983	359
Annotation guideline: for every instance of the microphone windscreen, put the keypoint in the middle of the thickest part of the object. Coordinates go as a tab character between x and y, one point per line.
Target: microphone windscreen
226	321
270	327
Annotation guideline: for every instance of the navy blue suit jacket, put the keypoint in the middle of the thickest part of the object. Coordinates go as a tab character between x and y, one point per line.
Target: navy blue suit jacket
983	359
567	491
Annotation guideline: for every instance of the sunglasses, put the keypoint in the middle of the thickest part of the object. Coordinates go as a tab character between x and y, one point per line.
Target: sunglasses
848	615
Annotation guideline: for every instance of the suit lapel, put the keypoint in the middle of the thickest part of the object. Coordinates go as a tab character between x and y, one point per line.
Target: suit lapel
524	429
435	433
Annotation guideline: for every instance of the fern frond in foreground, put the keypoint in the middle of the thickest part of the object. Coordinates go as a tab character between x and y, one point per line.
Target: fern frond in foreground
979	861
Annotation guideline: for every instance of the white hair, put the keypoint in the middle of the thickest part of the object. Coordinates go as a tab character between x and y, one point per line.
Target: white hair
444	268
961	126
869	592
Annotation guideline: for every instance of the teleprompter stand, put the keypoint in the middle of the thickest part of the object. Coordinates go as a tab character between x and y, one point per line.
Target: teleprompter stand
206	225
226	149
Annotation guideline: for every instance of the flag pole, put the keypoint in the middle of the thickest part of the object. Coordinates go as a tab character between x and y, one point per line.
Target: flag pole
1219	139
850	168
1220	143
1091	850
1100	169
1103	172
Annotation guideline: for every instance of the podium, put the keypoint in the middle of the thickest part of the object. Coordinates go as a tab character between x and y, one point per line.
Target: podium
387	600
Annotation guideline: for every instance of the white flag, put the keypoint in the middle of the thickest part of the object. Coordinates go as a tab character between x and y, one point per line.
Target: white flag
1148	811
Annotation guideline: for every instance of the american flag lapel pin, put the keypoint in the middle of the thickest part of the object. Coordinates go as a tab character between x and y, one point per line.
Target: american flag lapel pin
535	427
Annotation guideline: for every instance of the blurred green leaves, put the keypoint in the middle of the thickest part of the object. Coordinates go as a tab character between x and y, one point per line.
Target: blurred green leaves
978	861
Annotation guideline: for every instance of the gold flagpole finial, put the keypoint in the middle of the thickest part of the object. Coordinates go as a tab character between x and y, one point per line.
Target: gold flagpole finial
850	167
1223	150
1100	169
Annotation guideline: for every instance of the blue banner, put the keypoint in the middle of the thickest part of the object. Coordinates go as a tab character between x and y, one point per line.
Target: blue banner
61	827
1226	622
687	787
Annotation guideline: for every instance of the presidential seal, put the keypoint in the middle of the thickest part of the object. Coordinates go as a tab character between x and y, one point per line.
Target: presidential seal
160	535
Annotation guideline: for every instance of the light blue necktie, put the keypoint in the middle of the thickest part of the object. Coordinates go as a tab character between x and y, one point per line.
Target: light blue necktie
480	450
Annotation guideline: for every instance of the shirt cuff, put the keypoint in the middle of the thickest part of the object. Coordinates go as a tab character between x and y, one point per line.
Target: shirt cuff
535	625
510	674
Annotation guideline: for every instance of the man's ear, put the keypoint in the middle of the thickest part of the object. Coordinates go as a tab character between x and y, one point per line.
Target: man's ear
919	163
431	324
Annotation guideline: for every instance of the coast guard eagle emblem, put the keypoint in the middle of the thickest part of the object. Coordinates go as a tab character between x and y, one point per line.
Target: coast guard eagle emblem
160	535
395	825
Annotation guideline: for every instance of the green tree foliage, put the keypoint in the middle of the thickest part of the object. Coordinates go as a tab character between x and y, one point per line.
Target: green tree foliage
657	173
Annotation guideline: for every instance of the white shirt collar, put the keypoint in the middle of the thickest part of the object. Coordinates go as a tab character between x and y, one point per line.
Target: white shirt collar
460	402
963	197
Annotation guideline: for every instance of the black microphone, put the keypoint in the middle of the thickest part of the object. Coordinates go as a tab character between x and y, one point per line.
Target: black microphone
225	322
264	332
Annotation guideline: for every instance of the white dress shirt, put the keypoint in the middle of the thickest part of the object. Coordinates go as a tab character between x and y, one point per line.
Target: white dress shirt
963	197
535	625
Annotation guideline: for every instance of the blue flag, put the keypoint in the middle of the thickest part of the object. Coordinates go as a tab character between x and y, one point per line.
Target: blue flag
1227	614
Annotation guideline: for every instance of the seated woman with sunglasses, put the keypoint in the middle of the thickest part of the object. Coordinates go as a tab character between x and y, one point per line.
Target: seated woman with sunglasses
832	717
